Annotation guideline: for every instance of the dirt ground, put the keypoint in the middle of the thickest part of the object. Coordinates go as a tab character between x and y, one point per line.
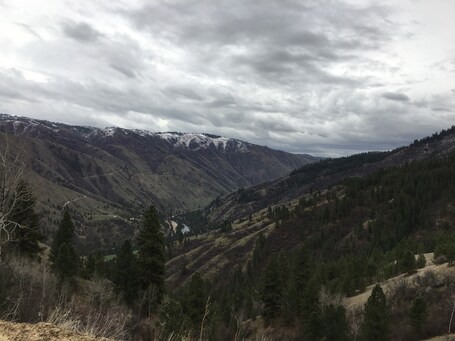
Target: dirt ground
40	332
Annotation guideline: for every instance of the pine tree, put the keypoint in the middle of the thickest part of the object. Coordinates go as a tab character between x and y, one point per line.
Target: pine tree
272	289
195	300
66	262
376	320
27	237
125	274
334	323
418	314
64	235
63	256
151	258
300	277
408	263
421	261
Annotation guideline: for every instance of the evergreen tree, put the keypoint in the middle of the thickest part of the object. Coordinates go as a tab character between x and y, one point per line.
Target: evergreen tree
125	274
151	258
172	318
421	261
195	300
408	263
272	289
66	262
334	323
300	277
375	326
64	235
27	237
63	256
313	326
418	314
310	298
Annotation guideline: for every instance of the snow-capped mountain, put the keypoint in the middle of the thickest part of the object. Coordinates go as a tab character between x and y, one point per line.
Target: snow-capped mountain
195	142
171	169
189	141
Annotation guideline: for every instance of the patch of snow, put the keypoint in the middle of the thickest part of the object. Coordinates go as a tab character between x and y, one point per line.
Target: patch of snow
109	131
186	229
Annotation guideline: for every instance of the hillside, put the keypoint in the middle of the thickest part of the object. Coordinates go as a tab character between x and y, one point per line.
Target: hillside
292	202
302	261
325	173
106	176
343	225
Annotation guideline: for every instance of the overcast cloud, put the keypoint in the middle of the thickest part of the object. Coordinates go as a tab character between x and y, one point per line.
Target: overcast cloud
323	77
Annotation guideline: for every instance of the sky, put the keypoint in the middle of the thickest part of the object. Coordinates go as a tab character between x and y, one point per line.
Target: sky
325	77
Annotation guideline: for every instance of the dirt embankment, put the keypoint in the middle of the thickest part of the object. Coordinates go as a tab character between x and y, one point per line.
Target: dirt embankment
10	331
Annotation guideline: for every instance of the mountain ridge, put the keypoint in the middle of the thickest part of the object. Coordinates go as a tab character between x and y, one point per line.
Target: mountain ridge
327	172
22	125
109	175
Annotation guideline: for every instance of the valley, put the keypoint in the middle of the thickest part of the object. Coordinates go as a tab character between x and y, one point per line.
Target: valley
110	175
329	244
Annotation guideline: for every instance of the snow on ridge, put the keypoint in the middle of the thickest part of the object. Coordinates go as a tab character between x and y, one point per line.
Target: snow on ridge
194	141
189	141
92	131
197	141
109	131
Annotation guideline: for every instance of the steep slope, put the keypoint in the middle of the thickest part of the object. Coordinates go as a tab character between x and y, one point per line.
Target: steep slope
111	174
363	222
310	201
323	174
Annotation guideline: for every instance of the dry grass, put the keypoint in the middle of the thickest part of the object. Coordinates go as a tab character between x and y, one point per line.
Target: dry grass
33	294
10	331
212	253
356	302
450	337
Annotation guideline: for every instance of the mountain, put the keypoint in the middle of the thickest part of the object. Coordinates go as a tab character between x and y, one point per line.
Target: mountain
312	188
111	174
338	249
325	173
327	234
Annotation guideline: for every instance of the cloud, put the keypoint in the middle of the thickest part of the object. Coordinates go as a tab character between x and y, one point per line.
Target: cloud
442	109
80	31
303	76
396	96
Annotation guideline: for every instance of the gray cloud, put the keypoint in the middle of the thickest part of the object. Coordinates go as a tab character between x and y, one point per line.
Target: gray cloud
80	31
396	96
442	109
303	76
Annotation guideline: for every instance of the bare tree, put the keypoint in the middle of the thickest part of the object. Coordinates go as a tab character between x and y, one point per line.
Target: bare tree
11	175
452	302
206	313
355	321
